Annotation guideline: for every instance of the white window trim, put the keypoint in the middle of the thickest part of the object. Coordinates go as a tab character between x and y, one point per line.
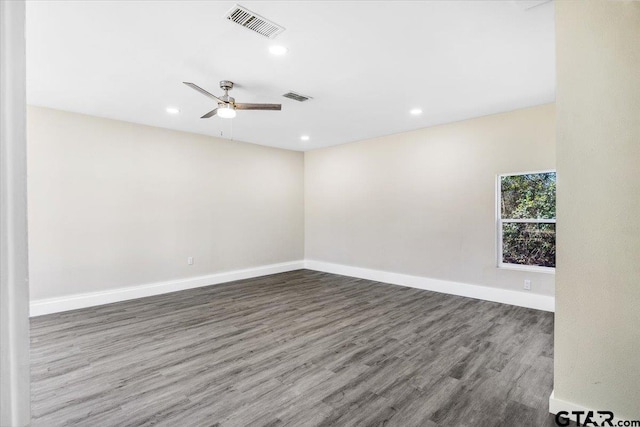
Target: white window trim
500	221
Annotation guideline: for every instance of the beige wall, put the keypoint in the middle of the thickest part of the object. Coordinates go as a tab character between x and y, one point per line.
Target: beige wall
423	202
597	355
115	204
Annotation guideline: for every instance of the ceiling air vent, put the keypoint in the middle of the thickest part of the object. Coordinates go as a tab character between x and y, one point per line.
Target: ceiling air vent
296	96
253	22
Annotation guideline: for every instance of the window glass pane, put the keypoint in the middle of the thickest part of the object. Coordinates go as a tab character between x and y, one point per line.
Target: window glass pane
529	244
531	196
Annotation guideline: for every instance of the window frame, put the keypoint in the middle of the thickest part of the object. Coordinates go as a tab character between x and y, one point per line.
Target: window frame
500	221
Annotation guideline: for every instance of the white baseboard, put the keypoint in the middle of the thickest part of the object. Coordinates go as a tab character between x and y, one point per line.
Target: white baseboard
559	405
90	299
505	296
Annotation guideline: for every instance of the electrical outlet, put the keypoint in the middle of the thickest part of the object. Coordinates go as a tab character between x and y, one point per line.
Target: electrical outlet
527	285
190	260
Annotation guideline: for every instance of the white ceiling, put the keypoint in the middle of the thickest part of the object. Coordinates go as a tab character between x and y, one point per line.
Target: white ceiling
365	63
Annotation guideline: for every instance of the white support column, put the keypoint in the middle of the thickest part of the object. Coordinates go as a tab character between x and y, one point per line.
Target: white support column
14	285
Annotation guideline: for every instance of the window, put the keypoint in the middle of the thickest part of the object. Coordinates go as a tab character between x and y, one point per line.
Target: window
527	221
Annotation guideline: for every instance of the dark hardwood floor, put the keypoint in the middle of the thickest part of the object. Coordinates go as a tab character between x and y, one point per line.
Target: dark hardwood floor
296	349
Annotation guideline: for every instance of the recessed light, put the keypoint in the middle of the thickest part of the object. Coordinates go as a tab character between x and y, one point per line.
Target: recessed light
172	110
304	137
278	50
416	112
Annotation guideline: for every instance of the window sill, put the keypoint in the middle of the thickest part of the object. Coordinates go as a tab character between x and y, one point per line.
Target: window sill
529	268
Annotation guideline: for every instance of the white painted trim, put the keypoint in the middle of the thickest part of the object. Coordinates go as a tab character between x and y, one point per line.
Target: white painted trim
90	299
530	268
558	405
14	272
505	296
528	173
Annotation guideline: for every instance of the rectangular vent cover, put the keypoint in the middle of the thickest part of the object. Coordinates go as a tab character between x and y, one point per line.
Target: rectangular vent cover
296	96
254	22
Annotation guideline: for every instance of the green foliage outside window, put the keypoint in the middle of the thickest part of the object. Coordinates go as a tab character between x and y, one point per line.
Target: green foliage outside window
531	197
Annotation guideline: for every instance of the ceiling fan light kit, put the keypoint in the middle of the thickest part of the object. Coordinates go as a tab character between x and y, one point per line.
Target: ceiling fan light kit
226	111
227	105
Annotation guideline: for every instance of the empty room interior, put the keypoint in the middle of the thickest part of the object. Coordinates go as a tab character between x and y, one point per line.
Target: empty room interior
320	213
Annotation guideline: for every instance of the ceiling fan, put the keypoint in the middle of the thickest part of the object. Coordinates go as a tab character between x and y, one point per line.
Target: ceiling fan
227	105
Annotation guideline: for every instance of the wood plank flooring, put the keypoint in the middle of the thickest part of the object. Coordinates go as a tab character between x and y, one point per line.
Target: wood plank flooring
295	349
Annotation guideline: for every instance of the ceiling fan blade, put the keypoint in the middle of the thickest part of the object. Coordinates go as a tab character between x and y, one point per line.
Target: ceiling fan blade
204	92
210	114
275	107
